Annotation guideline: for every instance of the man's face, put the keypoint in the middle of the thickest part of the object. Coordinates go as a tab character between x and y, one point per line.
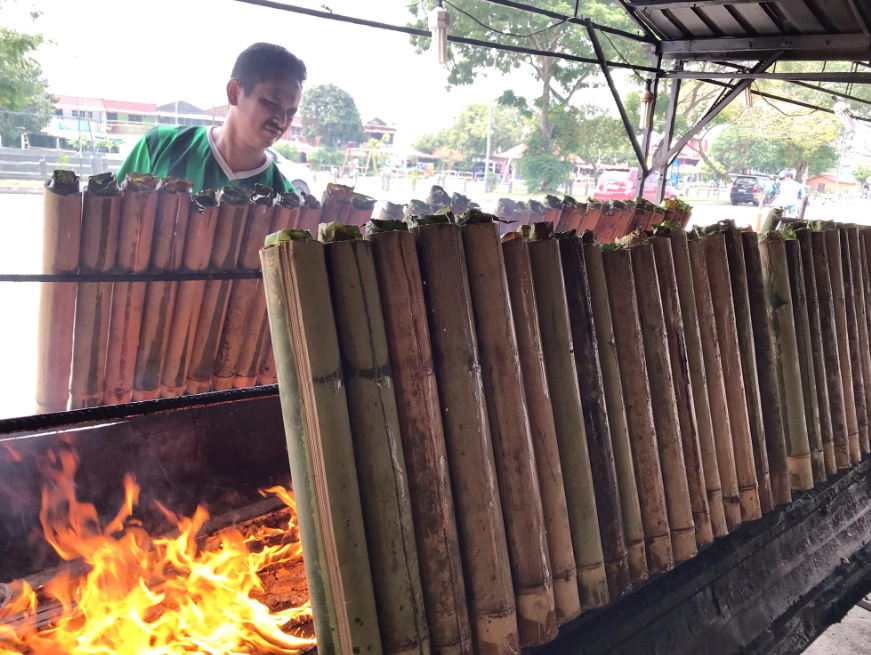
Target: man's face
266	111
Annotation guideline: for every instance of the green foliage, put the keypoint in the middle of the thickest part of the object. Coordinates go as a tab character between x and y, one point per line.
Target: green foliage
288	151
546	166
601	138
326	156
861	172
330	113
447	156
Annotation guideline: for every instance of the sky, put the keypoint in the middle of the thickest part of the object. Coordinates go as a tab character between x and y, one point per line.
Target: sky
164	50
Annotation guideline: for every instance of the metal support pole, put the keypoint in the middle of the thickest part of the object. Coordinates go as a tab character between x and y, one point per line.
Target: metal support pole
645	139
666	137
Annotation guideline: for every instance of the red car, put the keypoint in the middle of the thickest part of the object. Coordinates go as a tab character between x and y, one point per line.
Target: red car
621	185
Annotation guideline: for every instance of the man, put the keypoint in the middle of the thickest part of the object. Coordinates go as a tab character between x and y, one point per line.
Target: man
790	191
263	96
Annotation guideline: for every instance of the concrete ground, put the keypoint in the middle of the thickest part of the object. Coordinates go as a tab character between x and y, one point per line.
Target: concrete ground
852	636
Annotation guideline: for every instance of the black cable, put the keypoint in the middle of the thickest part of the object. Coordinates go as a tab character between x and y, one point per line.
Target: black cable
492	29
620	54
769	103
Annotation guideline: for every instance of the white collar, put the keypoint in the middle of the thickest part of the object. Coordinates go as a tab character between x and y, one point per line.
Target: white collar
241	175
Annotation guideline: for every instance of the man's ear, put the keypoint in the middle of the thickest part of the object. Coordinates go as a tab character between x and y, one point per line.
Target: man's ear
234	92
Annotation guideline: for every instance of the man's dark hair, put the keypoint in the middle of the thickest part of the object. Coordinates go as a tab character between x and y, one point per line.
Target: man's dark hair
261	61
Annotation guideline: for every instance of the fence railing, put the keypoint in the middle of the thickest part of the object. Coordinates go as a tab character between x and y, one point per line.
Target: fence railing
38	163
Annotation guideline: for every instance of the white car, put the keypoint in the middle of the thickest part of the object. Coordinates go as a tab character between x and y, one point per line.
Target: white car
299	175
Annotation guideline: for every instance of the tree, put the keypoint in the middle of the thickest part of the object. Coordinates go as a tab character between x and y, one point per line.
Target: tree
22	86
430	141
861	173
546	166
448	156
330	113
287	150
601	138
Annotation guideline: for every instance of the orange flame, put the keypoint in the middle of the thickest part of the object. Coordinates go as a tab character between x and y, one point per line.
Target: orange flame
152	596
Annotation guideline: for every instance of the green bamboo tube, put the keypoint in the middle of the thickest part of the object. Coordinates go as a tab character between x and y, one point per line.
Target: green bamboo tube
682	388
804	237
854	346
862	351
167	250
135	234
698	380
770	392
226	249
378	449
556	341
336	203
101	213
483	545
509	428
260	222
543	429
633	525
736	400
423	441
202	222
836	279
744	325
320	449
639	410
716	386
804	341
829	339
775	271
655	339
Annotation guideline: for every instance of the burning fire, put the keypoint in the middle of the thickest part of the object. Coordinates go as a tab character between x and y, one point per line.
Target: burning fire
152	595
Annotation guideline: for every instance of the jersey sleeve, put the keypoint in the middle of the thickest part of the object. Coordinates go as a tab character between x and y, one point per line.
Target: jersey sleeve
139	159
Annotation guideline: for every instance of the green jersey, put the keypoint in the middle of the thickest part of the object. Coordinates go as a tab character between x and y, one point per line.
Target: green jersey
191	153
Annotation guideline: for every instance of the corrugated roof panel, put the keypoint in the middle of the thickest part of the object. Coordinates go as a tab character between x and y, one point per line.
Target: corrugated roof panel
840	14
800	17
692	22
757	18
662	23
721	17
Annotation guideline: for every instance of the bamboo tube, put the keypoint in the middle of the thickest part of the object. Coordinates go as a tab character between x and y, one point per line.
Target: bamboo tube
775	271
770	391
818	359
805	358
510	431
377	449
135	233
716	389
858	278
438	198
633	526
260	222
509	217
543	429
587	220
836	279
698	380
636	217
639	410
101	213
744	325
309	214
459	203
320	448
717	265
423	441
568	206
483	545
556	341
229	237
553	211
829	338
856	357
596	423
361	210
537	213
336	203
202	222
392	211
683	392
167	249
867	303
674	473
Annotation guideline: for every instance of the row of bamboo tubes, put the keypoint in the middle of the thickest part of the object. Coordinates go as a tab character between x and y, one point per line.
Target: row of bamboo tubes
490	436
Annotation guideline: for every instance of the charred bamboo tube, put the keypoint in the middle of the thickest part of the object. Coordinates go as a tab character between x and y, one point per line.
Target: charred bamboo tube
730	357
683	392
716	387
596	424
378	449
202	221
509	428
167	250
858	279
260	222
543	429
229	236
336	203
361	210
829	338
804	342
775	271
483	545
770	391
698	379
506	211
836	279
556	341
553	211
136	231
639	410
744	325
654	336
459	203
822	392
568	207
309	214
101	213
392	212
423	441
633	526
855	347
320	447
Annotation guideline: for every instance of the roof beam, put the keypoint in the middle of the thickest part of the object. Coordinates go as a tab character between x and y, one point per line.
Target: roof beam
856	78
833	42
680	4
